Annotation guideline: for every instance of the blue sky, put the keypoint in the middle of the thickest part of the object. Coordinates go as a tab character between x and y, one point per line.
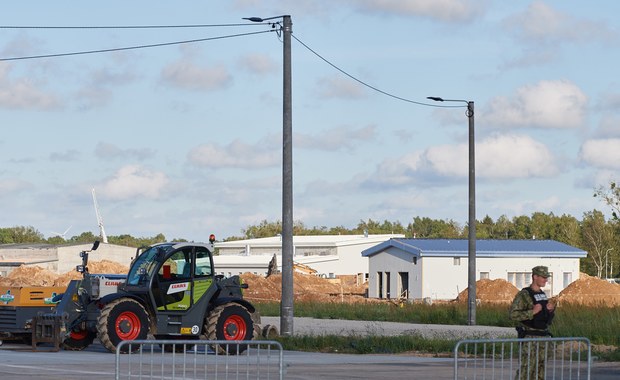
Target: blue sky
185	139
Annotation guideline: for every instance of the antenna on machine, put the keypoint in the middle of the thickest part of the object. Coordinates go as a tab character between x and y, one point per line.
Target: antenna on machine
104	238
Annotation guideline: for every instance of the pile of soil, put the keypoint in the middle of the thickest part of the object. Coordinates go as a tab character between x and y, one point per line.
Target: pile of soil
588	290
37	276
29	276
305	288
497	291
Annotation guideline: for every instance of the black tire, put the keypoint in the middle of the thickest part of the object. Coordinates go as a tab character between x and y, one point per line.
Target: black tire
122	319
229	322
78	340
257	325
178	348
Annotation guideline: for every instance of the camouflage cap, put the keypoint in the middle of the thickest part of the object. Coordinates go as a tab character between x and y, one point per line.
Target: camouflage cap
541	271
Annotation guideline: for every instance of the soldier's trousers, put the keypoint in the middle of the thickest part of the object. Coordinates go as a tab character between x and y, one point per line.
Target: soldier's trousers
533	357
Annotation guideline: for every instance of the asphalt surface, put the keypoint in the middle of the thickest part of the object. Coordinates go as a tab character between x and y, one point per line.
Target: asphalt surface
20	362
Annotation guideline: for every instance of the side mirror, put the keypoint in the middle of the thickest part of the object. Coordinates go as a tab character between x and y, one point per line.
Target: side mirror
95	245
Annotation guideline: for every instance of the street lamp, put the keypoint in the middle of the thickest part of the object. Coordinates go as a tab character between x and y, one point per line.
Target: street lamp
471	247
286	304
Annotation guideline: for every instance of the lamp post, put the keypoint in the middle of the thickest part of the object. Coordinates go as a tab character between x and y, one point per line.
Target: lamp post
471	238
286	303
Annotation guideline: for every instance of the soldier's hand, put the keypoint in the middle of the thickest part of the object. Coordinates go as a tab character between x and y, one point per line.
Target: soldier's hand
537	308
551	306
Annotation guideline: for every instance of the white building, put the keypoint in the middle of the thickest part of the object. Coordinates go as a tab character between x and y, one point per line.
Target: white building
438	268
59	258
329	255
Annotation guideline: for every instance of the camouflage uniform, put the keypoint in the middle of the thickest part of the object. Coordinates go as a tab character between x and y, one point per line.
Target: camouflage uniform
530	326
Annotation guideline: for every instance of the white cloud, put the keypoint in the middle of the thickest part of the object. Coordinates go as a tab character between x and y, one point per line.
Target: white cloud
13	186
440	10
338	87
335	138
237	154
23	93
546	104
497	157
111	151
66	156
258	64
602	153
541	23
186	74
135	181
514	156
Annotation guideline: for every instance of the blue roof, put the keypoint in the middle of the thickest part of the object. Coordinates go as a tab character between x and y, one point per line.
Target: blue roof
484	248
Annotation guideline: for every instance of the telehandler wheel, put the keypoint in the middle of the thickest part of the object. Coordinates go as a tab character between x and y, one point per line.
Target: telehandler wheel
178	348
78	340
229	322
122	319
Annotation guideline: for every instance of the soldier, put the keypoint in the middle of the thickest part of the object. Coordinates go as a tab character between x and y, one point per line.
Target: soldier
534	312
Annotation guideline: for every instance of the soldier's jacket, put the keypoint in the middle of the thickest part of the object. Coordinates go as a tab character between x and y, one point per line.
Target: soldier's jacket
521	310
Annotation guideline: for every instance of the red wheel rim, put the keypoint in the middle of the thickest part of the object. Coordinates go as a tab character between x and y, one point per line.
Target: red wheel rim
234	328
128	326
78	335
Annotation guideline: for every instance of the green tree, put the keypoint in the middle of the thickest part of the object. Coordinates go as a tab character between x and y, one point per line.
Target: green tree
598	240
427	228
20	234
522	228
611	197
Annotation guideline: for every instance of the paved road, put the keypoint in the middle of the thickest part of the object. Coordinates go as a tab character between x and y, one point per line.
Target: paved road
95	363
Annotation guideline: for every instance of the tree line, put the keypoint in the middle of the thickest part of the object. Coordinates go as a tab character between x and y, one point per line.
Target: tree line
593	233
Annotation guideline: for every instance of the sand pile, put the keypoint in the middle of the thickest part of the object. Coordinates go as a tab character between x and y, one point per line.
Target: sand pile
491	291
588	290
29	276
305	288
37	276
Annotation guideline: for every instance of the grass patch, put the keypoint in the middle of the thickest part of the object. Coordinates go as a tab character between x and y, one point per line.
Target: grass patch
598	324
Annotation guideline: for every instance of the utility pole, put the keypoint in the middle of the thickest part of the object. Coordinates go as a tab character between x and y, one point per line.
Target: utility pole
286	305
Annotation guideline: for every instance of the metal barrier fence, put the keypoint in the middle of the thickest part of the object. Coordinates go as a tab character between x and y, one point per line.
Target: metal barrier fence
523	359
198	359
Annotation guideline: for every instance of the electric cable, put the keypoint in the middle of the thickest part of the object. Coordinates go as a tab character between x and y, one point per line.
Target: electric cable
131	47
370	86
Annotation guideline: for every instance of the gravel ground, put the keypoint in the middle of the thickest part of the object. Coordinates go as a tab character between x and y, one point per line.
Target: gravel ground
312	326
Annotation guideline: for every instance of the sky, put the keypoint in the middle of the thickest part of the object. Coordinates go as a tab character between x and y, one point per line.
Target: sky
185	139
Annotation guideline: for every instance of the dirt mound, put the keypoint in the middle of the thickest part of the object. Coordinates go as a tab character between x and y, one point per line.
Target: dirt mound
29	276
491	291
305	288
588	290
37	276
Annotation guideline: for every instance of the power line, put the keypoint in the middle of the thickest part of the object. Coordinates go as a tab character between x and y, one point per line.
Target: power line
370	86
125	26
131	47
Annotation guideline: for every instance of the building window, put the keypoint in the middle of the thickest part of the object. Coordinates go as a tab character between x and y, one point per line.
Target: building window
484	275
568	278
457	261
519	279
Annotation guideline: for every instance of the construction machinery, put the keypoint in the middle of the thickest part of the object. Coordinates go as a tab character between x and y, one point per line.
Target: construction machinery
170	292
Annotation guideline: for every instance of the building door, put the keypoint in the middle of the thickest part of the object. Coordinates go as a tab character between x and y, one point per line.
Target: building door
379	284
387	285
403	285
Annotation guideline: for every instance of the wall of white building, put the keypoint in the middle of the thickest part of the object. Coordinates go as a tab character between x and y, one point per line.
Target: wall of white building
69	256
443	278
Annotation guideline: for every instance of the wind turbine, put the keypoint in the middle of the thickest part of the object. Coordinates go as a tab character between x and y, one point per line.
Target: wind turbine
99	219
64	234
